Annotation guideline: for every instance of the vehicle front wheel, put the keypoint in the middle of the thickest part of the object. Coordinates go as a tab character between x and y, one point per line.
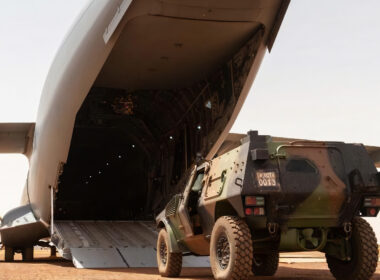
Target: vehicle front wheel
169	264
364	257
231	249
265	264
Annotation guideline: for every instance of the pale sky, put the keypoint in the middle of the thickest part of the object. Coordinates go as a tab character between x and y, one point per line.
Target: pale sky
321	80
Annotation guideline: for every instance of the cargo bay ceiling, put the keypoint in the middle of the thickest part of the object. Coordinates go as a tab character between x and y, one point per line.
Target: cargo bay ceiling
161	101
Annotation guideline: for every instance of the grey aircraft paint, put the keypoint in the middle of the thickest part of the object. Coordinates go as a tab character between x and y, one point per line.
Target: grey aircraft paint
142	87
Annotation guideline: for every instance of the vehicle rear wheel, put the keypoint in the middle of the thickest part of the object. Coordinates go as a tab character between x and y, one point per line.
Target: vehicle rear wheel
265	264
169	264
9	254
231	249
27	254
364	257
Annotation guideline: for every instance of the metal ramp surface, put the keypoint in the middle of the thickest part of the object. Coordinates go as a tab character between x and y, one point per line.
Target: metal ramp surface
112	244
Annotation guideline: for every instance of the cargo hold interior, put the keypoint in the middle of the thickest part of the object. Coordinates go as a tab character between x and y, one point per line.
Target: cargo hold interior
159	103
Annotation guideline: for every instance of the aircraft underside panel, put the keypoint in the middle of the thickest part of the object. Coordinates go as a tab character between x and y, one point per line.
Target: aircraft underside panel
112	244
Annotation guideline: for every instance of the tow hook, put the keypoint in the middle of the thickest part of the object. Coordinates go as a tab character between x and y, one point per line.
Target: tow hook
347	227
272	228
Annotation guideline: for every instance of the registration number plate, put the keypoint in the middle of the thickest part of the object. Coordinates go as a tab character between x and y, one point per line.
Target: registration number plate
266	178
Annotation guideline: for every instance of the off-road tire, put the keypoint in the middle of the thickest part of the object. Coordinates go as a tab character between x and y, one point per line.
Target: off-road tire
265	264
27	254
235	233
364	254
170	266
9	254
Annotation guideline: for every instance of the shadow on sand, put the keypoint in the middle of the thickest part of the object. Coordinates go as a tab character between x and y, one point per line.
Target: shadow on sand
299	271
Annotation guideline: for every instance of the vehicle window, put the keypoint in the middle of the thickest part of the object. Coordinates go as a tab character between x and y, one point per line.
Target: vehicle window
300	165
197	186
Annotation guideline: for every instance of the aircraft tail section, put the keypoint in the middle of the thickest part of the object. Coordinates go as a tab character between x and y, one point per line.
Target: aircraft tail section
111	244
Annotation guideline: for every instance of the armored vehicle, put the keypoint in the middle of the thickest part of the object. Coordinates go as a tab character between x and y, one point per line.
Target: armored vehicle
264	197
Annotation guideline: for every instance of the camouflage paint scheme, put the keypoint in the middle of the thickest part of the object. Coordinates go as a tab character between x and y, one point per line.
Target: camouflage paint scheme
312	191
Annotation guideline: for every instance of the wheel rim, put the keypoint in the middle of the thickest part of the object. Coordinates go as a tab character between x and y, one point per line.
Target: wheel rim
223	251
163	252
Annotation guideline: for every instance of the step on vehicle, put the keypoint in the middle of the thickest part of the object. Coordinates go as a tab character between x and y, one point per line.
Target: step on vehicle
264	197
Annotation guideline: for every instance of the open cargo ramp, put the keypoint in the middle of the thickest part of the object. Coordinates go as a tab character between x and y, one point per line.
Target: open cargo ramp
111	244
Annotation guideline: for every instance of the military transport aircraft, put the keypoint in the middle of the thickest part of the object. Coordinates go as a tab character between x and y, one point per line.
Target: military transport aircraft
136	93
137	90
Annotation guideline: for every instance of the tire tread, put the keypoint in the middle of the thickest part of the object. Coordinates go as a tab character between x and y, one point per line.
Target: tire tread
269	266
173	265
366	265
243	247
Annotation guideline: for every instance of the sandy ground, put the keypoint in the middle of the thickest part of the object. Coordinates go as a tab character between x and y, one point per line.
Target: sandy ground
293	266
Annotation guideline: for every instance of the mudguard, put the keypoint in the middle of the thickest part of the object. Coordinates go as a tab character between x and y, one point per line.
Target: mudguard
173	245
